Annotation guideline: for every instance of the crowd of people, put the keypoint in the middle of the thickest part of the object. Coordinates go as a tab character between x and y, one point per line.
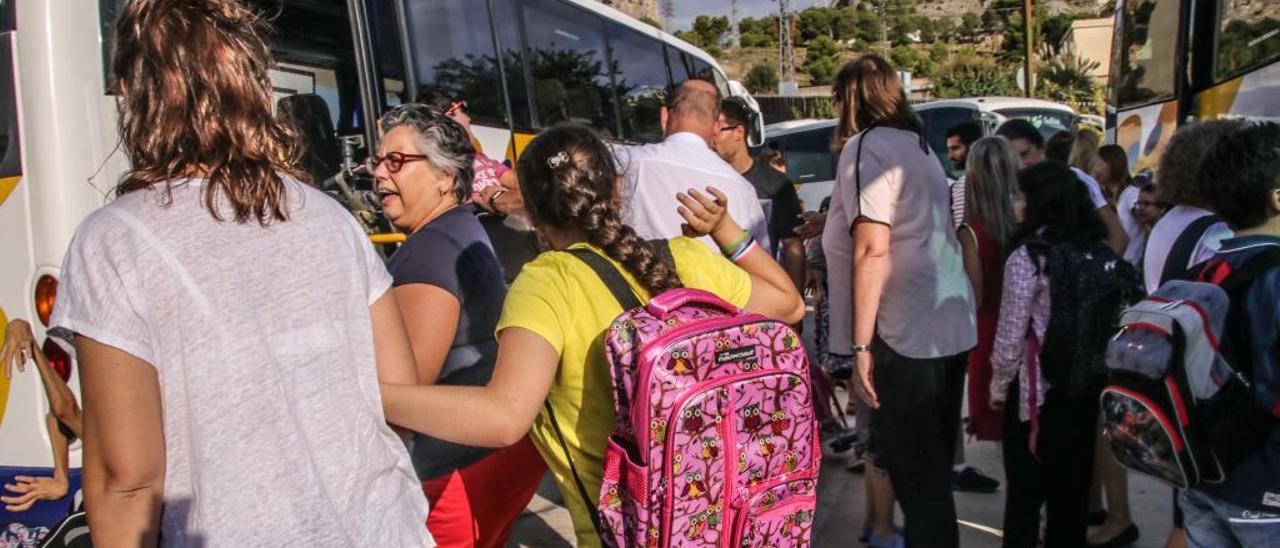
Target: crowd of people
254	373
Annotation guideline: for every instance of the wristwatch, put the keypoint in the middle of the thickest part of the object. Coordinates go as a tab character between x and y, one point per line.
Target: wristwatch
860	348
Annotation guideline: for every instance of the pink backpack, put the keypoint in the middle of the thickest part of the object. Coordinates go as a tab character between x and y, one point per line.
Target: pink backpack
714	442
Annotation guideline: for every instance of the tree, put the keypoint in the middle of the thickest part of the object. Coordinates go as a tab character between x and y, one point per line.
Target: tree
821	60
970	27
1065	76
758	33
911	59
762	78
709	31
971	75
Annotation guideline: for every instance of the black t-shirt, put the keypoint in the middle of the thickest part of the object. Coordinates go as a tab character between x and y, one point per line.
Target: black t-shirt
453	253
784	218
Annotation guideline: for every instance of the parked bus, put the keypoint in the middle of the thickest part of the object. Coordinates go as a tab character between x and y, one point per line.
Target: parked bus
521	65
1175	61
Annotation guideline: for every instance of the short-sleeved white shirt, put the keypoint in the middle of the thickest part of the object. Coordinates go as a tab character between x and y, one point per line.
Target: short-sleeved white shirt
1166	232
926	309
263	344
655	173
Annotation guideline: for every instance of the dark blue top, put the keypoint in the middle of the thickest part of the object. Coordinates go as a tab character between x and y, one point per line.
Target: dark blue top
453	253
1256	482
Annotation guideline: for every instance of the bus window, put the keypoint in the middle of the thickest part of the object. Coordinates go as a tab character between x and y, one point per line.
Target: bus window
640	75
10	151
389	52
6	16
453	53
1248	35
566	48
681	65
1147	63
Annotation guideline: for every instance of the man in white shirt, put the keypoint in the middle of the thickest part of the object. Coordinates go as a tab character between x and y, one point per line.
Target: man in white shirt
653	174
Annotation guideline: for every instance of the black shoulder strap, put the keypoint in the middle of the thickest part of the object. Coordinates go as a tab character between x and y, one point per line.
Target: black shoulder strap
587	500
1175	264
1252	268
857	164
621	291
612	279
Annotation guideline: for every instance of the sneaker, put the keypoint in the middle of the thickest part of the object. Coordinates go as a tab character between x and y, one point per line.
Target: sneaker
1126	537
877	541
973	480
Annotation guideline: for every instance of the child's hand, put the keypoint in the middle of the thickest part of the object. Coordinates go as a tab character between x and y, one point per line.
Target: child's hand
702	214
19	345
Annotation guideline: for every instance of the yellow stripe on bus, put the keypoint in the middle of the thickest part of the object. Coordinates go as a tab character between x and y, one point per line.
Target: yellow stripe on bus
387	238
1217	101
4	382
7	184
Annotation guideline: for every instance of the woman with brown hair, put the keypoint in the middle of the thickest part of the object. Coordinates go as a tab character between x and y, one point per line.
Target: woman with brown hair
231	324
908	315
550	362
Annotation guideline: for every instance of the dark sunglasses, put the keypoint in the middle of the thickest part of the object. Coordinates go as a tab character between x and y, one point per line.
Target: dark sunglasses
730	128
395	161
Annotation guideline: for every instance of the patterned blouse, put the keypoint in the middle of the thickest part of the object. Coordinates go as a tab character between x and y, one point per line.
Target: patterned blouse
1024	306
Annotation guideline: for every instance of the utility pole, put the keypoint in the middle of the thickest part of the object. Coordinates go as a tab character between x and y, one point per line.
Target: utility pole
735	34
668	15
884	24
786	51
1028	31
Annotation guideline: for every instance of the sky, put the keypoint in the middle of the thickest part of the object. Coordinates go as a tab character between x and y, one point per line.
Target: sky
686	10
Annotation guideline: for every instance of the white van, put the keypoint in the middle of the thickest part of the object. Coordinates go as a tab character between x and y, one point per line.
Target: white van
811	163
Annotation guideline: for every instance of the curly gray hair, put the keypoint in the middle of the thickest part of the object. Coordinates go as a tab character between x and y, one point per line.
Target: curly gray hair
443	141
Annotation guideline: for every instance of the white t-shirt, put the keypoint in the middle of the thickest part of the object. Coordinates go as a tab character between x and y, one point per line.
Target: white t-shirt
263	344
1095	190
655	173
926	309
1133	228
1166	232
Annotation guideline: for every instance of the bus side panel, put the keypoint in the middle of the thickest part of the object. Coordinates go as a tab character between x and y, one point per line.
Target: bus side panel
1144	132
1255	95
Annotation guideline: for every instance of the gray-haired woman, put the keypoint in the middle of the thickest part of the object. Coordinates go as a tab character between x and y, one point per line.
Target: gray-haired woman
449	285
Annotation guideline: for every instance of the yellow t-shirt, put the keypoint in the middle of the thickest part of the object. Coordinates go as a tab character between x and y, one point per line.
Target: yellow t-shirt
561	299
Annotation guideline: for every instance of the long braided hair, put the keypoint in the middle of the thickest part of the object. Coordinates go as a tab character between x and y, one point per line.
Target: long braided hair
569	181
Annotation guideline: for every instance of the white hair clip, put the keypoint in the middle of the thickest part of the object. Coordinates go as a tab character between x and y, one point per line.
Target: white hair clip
559	159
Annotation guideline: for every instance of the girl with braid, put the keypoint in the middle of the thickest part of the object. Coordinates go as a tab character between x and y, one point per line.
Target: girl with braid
555	314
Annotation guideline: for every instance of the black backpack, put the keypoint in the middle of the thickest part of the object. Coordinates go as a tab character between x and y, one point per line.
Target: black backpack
1089	286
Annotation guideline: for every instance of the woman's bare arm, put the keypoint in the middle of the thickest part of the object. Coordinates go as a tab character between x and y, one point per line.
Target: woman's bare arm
431	319
495	415
124	450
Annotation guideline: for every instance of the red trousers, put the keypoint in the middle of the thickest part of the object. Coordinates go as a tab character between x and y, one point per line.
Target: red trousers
477	505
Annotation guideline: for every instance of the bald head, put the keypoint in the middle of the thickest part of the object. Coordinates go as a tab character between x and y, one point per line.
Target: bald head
695	109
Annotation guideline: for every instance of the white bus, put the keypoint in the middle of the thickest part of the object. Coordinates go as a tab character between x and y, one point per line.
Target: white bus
521	65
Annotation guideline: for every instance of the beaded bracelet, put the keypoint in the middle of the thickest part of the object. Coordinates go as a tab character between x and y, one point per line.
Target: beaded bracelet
731	249
752	244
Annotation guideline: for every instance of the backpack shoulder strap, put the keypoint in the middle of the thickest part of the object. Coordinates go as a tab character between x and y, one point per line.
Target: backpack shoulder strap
1175	264
612	279
1239	277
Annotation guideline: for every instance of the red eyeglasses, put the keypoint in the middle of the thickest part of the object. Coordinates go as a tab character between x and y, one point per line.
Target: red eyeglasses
395	161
